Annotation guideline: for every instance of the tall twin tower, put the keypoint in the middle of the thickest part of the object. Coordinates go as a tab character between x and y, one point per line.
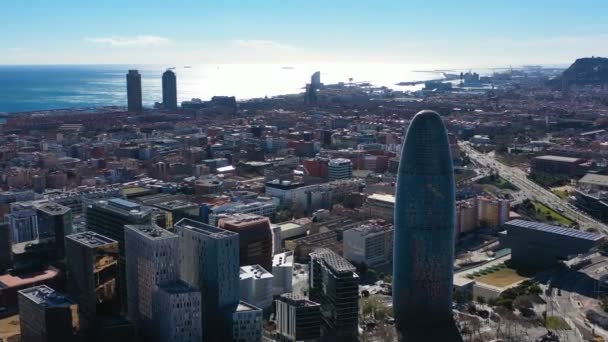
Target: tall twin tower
424	234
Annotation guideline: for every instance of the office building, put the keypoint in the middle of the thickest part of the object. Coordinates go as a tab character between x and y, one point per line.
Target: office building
178	317
493	212
256	286
379	206
210	262
6	255
23	222
255	238
152	256
108	218
467	216
54	224
169	90
541	246
298	319
246	323
134	99
339	168
335	285
370	243
282	270
92	265
559	165
424	231
45	315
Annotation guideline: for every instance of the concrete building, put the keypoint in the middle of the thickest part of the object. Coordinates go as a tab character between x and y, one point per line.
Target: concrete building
256	286
262	206
556	165
593	183
54	223
134	98
169	90
424	233
246	323
379	206
108	218
152	256
45	315
370	243
335	285
539	245
92	279
493	212
210	263
339	168
298	319
178	308
23	222
467	216
6	255
255	238
282	270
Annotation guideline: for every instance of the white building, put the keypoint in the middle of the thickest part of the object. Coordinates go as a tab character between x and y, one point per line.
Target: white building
256	285
179	308
370	243
247	323
339	168
23	222
152	258
282	270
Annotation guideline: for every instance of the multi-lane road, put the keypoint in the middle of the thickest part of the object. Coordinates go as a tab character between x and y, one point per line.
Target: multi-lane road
532	190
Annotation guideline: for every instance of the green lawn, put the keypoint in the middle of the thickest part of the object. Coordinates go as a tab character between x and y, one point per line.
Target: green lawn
544	213
563	194
499	276
556	323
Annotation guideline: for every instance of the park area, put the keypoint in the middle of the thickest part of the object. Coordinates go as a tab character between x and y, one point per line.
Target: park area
498	276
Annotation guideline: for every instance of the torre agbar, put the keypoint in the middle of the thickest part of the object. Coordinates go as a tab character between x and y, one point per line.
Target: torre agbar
424	234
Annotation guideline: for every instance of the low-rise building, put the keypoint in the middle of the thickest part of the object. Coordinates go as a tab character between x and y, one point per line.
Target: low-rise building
371	243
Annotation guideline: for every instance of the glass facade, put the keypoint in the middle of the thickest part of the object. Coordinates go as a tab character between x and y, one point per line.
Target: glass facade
424	227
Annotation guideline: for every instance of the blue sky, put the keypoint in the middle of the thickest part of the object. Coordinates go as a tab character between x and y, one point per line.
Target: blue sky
465	32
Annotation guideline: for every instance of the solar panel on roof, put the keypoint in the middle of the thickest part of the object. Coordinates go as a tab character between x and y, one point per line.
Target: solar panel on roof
555	230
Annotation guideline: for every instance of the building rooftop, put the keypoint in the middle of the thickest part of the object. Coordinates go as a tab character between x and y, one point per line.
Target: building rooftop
91	239
244	307
241	219
205	229
44	295
335	262
570	232
175	204
53	208
559	159
37	277
254	271
297	300
123	204
152	231
594	179
382	198
368	228
282	259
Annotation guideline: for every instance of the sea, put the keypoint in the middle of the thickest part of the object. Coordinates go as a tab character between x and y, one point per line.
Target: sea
43	87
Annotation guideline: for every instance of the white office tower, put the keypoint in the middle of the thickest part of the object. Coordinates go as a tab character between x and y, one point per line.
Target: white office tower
210	263
152	258
179	308
256	285
23	222
339	168
282	270
247	323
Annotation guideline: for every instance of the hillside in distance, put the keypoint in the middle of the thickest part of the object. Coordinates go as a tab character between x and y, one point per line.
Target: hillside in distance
584	71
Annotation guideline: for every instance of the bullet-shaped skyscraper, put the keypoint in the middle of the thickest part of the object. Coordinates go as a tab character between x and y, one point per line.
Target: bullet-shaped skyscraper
169	90
134	102
424	233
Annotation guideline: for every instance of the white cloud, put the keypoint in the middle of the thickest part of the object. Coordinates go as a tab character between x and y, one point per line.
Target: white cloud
137	41
258	43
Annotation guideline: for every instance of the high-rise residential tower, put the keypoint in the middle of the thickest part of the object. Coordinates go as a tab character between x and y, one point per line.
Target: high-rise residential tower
169	90
424	233
134	101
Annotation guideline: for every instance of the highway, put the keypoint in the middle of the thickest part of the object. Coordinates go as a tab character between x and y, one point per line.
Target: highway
532	190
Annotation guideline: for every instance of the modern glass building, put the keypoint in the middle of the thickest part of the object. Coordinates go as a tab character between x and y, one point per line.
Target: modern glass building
424	232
